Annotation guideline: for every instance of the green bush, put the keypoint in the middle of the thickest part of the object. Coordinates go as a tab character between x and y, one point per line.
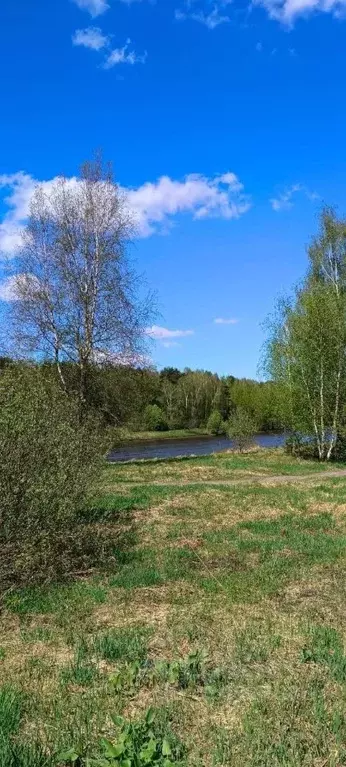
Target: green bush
242	428
48	461
215	423
155	419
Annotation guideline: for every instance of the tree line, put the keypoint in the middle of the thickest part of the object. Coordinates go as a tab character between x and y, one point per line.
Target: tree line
143	398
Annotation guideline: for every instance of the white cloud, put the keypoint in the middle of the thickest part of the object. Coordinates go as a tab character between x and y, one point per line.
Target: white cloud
91	37
94	7
284	201
170	344
153	204
287	11
124	56
161	334
210	19
223	321
21	187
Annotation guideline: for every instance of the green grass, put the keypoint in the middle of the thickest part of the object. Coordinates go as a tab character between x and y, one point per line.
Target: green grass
13	752
129	644
77	597
222	613
224	465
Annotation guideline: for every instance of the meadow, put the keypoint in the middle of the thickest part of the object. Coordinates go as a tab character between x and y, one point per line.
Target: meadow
216	636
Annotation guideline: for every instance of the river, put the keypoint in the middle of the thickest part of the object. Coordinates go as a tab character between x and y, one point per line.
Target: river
173	448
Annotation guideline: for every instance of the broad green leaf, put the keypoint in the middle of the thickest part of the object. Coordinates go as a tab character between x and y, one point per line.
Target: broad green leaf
112	750
148	752
119	721
68	756
150	716
166	749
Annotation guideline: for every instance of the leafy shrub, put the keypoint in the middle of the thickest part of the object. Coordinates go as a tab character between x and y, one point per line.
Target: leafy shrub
48	461
242	428
215	423
339	453
155	419
142	743
303	447
293	444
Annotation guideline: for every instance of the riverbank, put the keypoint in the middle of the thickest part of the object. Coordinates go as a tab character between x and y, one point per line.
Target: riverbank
219	625
130	436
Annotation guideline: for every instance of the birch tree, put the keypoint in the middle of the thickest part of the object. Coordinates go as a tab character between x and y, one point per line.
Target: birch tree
77	297
306	351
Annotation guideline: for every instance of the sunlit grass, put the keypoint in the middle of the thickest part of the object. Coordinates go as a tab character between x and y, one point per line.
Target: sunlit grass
223	610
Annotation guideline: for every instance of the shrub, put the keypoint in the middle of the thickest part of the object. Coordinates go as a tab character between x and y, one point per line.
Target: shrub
48	460
303	447
155	419
215	423
242	428
293	444
148	742
339	453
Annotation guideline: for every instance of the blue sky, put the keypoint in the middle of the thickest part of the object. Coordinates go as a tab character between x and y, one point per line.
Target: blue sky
224	120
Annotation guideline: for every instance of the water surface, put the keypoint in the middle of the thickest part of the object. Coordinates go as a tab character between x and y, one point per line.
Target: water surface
173	448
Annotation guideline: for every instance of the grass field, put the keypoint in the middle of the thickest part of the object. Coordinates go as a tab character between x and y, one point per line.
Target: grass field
217	638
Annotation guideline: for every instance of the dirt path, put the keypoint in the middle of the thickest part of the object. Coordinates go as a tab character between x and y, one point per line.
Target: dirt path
279	479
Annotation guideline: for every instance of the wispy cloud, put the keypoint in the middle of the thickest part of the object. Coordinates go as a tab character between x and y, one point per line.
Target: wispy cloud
91	37
284	201
153	205
124	56
224	321
94	39
94	7
162	334
170	344
287	11
210	19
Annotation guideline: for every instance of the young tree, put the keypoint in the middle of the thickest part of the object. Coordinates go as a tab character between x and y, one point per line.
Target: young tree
242	428
154	418
215	423
306	351
307	356
77	297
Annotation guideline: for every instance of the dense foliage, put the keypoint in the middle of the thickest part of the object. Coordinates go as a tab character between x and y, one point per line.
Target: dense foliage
48	460
146	399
